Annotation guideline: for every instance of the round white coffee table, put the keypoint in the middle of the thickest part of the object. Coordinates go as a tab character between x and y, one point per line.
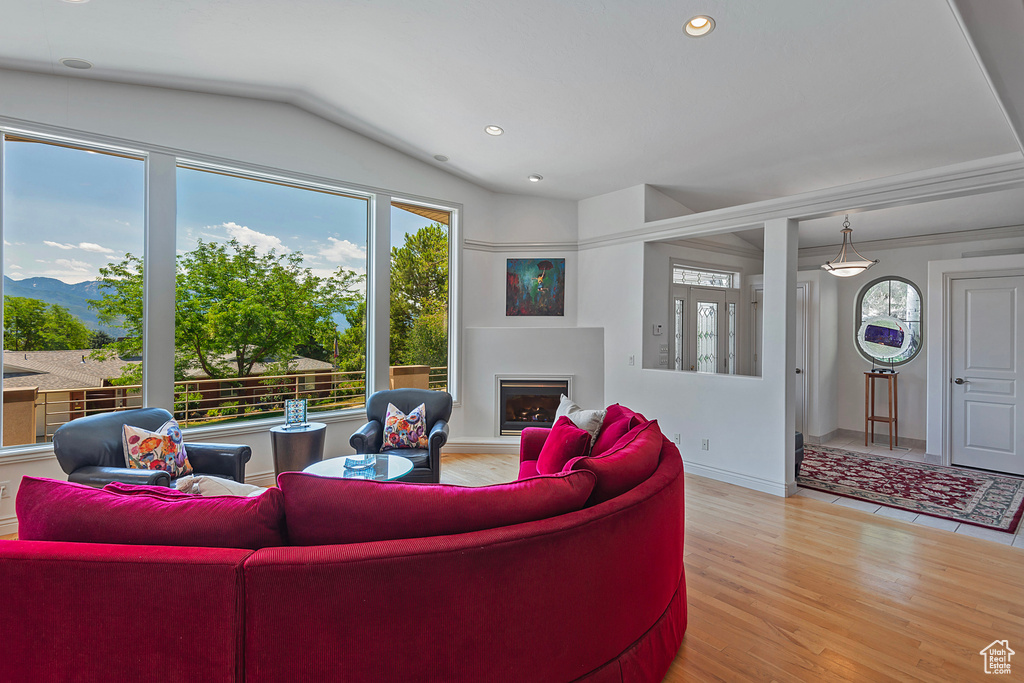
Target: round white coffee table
386	468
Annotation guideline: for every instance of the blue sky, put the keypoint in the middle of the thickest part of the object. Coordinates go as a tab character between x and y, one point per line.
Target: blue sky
68	212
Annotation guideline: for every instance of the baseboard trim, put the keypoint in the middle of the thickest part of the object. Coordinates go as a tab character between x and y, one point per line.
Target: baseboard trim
8	525
498	445
265	479
746	481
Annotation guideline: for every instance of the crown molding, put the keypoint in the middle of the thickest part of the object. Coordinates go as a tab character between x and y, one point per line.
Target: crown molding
719	248
503	247
1006	232
968	178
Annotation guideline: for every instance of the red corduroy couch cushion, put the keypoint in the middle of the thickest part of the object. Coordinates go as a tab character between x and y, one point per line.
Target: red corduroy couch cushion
51	510
617	421
565	442
120	613
327	510
631	460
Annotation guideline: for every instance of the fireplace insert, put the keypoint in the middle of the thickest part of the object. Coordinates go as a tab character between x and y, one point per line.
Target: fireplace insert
528	403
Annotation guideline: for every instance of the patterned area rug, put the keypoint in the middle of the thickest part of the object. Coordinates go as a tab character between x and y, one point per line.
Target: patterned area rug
993	501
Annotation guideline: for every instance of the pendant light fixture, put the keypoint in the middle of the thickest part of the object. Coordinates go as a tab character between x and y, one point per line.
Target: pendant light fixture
845	265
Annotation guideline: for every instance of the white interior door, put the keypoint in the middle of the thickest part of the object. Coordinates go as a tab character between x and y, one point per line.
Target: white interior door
985	404
801	356
800	343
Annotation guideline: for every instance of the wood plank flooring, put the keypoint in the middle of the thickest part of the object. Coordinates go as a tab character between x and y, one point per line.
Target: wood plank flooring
799	590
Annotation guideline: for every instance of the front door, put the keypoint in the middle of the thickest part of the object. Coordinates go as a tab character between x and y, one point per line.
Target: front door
987	316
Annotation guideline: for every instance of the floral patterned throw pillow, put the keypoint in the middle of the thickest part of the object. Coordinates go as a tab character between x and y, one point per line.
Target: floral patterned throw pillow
163	449
405	431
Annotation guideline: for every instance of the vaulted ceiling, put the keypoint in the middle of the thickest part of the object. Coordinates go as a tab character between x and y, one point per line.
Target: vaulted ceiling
781	98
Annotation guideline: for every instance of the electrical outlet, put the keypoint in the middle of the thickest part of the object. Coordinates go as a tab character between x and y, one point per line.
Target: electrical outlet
678	438
632	360
5	489
705	444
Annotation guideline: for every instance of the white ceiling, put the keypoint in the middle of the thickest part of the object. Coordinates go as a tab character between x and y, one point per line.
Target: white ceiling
783	97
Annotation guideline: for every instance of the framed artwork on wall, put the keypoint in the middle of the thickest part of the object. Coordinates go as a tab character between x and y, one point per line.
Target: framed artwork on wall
535	287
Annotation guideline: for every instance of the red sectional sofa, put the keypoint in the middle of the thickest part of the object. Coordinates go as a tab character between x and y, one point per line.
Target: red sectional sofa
595	595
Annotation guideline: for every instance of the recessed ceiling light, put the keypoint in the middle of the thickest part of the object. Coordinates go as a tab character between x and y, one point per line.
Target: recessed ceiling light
494	130
72	63
440	157
700	25
536	178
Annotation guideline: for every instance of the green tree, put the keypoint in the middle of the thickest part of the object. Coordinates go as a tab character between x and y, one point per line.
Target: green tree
234	307
32	325
419	298
352	342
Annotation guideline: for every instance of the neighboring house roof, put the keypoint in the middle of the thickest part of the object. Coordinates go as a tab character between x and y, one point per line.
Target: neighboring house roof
76	369
55	370
296	365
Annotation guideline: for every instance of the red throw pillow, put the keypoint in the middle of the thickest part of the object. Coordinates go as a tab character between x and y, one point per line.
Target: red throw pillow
611	433
632	460
329	510
565	442
50	510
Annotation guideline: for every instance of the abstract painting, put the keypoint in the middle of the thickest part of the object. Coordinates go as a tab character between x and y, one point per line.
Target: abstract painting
535	286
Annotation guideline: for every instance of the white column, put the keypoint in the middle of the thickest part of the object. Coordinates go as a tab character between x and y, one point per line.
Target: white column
159	283
779	342
378	295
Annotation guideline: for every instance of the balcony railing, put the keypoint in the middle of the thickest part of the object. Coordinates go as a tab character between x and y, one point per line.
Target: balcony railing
199	402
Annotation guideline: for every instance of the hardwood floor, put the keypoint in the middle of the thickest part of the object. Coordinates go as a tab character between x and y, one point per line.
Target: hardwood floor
799	590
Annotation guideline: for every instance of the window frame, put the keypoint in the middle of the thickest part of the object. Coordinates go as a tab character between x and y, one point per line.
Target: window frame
158	389
858	320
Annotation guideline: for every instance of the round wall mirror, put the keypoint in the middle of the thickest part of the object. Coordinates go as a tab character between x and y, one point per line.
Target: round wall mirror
889	321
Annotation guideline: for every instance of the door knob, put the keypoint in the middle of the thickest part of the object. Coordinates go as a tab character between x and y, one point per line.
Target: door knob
960	380
798	371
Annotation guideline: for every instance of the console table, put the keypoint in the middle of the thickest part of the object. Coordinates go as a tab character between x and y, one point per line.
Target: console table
891	418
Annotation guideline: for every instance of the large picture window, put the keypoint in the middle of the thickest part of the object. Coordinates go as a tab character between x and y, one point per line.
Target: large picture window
270	288
420	256
70	214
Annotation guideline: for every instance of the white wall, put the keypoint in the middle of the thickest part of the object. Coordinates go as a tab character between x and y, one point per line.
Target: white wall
492	351
749	420
283	137
910	263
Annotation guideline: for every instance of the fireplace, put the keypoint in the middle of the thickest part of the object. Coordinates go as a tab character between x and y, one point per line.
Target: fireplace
528	402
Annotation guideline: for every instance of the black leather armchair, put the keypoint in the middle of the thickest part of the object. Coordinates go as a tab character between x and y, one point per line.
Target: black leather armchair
90	450
426	463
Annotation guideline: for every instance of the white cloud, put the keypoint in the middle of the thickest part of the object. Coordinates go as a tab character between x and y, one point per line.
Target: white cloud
6	243
14	266
72	264
262	241
342	250
92	246
124	223
58	245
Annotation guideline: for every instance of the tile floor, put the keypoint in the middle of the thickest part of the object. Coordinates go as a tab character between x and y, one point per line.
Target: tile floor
881	447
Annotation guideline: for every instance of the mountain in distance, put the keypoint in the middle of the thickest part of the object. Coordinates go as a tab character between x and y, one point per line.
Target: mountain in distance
74	297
